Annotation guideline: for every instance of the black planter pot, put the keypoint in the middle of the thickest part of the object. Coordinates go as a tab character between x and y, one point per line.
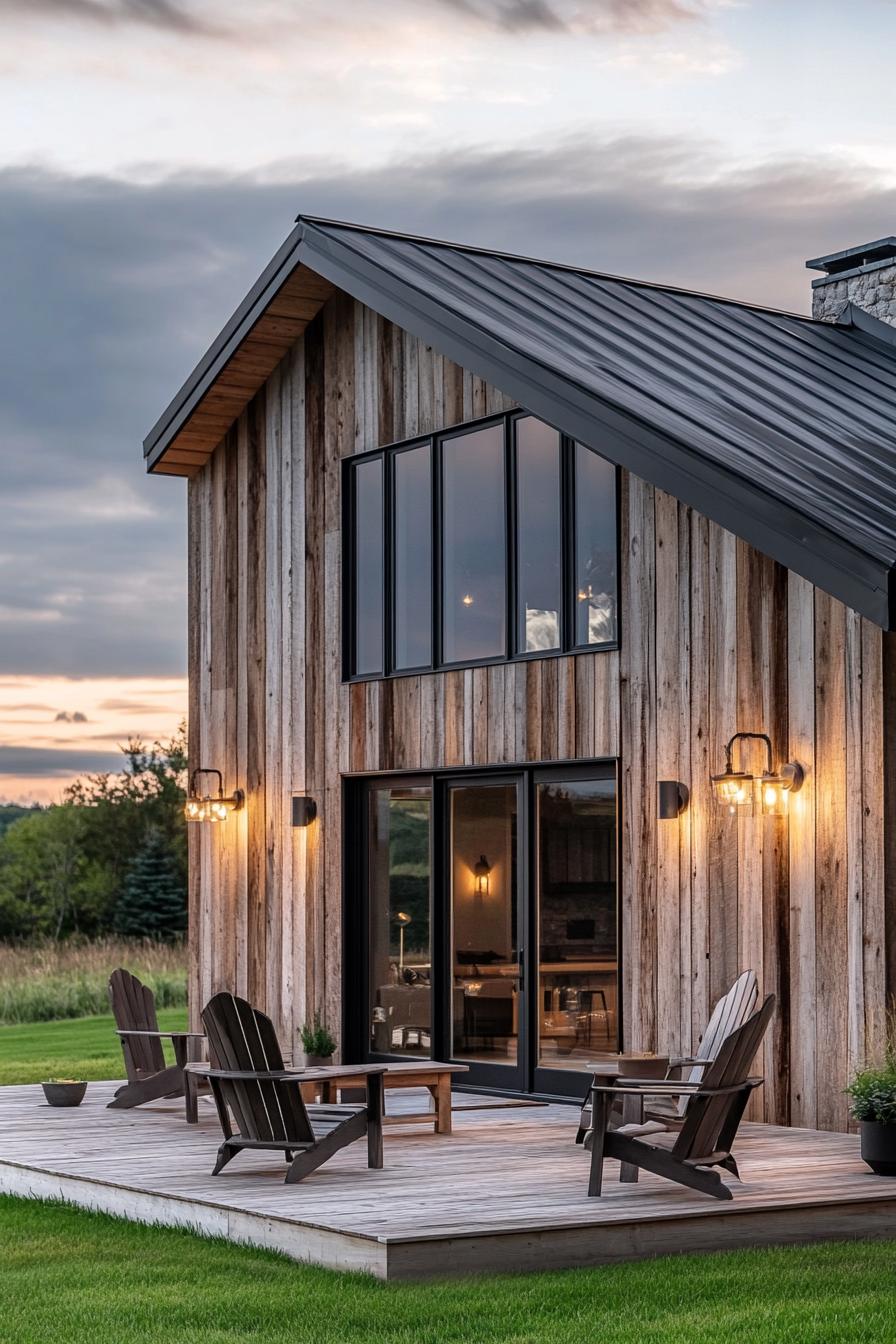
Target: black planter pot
878	1146
64	1094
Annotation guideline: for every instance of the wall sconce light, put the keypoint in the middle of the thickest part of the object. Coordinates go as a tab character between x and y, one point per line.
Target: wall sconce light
208	806
737	791
304	810
481	870
672	799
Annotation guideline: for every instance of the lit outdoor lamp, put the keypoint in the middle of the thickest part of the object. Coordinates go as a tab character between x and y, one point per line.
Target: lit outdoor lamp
402	920
737	791
211	806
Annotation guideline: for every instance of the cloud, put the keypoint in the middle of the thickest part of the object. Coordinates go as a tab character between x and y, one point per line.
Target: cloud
119	288
559	16
112	13
133	707
55	762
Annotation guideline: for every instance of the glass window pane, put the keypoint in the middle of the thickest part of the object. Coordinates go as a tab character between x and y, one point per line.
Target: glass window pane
595	548
484	917
538	547
399	903
413	558
576	879
368	578
473	546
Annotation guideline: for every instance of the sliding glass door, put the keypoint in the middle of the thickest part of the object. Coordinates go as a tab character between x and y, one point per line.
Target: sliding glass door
399	963
487	1009
576	923
482	923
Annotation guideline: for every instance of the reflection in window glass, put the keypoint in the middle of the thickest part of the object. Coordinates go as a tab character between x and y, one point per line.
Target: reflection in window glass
413	558
399	967
595	548
473	542
538	547
368	578
576	885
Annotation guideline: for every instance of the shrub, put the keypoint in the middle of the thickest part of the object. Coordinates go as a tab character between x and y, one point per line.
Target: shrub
873	1090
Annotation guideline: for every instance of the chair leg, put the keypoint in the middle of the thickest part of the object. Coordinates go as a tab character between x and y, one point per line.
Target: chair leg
600	1114
730	1165
226	1153
375	1120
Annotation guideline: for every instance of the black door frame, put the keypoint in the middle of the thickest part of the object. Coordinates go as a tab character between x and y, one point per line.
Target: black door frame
524	1077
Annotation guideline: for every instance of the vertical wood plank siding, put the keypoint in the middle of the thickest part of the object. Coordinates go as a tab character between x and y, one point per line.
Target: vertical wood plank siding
715	638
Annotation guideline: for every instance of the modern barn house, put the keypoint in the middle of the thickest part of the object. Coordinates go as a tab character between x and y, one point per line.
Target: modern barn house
490	560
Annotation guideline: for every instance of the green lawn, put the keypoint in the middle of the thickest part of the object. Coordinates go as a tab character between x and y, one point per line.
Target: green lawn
85	1047
71	1276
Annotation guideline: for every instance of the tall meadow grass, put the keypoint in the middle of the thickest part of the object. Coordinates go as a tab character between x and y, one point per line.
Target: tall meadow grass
42	982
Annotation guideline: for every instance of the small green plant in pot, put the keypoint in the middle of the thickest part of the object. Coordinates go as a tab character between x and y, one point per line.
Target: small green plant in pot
873	1094
317	1043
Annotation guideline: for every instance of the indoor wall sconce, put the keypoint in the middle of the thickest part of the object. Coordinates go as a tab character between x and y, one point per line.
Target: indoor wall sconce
481	871
672	799
211	806
738	791
304	810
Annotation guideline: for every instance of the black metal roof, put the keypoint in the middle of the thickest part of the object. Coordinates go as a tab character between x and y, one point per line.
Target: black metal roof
778	427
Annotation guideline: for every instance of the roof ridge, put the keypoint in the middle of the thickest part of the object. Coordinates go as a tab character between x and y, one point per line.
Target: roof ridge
476	249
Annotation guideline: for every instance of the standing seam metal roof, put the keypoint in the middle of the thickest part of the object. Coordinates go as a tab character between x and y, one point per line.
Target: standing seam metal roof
776	426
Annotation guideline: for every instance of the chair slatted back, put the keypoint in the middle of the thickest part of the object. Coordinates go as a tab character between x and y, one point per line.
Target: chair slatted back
242	1038
711	1121
731	1012
134	1009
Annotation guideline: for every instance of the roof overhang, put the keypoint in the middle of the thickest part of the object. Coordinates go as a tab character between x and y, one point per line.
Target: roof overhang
271	318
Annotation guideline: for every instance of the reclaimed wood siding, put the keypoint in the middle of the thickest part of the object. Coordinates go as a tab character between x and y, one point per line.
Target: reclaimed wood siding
715	638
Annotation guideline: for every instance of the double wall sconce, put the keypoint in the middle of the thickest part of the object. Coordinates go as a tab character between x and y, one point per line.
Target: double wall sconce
741	793
481	873
205	806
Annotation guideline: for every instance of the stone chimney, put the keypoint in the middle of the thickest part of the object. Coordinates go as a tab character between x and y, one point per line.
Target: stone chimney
862	276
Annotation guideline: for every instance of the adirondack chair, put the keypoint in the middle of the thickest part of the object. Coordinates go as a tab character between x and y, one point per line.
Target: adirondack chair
716	1104
250	1084
149	1075
731	1011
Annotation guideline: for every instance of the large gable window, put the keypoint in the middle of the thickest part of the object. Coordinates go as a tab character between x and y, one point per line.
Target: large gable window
493	541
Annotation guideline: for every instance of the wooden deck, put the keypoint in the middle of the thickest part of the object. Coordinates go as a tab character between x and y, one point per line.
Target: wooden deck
506	1191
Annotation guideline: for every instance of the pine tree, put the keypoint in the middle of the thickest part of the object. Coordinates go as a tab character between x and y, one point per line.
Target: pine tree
153	902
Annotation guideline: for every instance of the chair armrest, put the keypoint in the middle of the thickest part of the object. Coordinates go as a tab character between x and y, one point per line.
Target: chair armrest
687	1062
642	1087
168	1035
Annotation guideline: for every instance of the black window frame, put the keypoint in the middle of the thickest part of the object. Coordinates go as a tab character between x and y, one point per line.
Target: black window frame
512	654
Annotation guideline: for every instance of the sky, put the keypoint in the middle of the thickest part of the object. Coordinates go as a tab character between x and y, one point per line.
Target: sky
154	153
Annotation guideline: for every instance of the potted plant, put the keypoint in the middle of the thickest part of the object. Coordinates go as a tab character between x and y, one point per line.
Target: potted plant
873	1093
317	1043
64	1091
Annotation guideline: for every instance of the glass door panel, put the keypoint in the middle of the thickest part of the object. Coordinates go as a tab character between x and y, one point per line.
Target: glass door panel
399	829
486	1013
577	921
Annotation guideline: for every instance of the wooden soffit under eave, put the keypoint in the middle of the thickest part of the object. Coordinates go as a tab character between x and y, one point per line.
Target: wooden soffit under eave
299	299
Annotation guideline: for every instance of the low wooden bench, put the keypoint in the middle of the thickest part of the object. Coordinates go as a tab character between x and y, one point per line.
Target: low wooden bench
435	1077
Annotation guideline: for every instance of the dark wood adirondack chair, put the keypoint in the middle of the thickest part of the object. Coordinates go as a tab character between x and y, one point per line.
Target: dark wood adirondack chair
250	1084
715	1107
731	1012
149	1075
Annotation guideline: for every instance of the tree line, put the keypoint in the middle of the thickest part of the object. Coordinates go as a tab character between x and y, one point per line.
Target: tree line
110	858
